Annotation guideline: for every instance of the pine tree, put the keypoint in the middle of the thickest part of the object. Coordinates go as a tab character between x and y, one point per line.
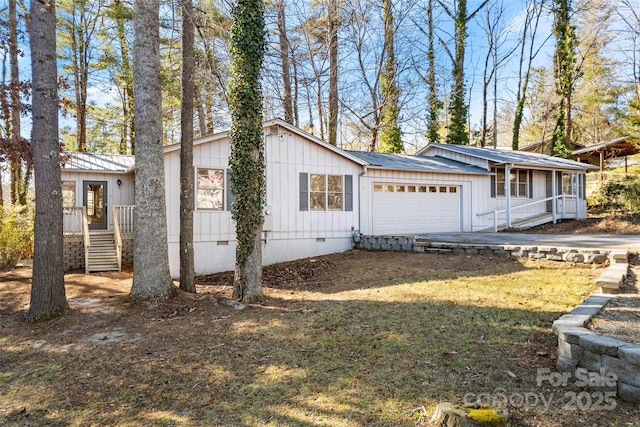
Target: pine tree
565	75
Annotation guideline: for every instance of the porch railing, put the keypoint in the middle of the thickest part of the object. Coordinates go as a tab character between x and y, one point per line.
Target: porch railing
72	221
554	212
116	233
87	238
123	216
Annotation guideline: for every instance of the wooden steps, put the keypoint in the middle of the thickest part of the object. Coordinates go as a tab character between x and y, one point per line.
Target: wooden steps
102	254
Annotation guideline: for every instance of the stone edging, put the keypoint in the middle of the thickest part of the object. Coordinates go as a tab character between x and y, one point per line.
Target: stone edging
412	244
580	347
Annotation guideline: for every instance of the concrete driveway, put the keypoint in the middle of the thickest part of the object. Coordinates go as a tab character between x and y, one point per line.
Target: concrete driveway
629	242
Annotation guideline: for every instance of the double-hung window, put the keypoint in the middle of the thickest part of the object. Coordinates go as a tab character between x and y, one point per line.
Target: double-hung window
520	182
209	189
68	194
326	192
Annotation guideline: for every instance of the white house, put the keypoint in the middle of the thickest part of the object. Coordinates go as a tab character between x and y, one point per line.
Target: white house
319	196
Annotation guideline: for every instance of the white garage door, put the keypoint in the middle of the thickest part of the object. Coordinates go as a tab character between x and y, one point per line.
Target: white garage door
411	208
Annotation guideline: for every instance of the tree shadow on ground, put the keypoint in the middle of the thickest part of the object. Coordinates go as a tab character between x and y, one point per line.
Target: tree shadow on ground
369	354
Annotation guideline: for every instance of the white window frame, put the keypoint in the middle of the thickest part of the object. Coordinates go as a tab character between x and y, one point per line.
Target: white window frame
68	190
197	189
326	192
515	184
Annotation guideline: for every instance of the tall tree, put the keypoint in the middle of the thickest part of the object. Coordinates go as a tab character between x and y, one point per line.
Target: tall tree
17	148
121	15
47	288
80	23
458	123
390	135
333	19
186	151
287	98
565	75
247	146
496	39
434	105
529	32
595	100
151	278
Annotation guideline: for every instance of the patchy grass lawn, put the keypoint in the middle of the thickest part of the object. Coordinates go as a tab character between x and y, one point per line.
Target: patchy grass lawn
356	339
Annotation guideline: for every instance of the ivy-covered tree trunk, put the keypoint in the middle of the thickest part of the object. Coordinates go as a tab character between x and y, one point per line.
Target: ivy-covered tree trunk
565	74
435	104
458	126
458	133
247	147
187	274
151	278
390	135
47	288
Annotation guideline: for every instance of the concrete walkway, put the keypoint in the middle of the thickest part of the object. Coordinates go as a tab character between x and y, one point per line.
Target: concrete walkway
630	242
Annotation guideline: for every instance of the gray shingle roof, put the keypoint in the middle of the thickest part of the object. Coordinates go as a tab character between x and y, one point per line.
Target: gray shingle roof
520	158
416	163
98	162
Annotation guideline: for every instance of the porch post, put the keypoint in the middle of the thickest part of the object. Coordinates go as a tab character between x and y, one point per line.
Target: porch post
554	190
507	193
576	193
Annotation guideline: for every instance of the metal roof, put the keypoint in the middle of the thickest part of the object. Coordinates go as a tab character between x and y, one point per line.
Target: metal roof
617	147
416	163
98	162
520	158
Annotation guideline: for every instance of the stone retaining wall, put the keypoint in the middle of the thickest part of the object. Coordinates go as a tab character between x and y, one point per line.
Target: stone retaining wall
601	356
413	244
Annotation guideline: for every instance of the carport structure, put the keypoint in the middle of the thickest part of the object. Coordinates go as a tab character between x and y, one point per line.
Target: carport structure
597	154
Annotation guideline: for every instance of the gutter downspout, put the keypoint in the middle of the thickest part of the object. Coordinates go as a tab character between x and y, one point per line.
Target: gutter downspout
364	172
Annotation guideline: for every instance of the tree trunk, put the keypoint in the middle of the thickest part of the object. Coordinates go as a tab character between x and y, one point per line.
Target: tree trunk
47	289
16	112
333	72
458	126
247	145
435	105
287	100
248	277
186	151
127	79
390	135
202	111
151	278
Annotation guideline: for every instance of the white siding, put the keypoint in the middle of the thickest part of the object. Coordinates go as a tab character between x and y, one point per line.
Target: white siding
122	194
290	233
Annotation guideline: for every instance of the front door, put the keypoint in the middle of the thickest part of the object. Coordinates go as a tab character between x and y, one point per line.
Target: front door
94	196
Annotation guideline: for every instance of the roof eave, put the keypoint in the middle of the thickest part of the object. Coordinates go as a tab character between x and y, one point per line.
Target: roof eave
378	167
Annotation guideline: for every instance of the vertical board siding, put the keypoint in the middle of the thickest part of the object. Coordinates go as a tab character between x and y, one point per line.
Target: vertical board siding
294	231
116	195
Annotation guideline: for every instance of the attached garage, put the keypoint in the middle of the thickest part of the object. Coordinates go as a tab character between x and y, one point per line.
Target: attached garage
415	208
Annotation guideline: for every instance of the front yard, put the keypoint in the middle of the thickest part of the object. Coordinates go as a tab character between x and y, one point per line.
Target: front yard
356	339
